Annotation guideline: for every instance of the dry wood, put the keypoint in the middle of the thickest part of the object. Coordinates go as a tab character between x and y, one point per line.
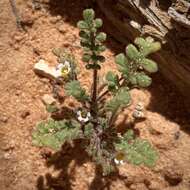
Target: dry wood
173	59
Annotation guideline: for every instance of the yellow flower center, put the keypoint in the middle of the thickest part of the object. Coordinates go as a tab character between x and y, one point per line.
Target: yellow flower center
83	114
65	71
120	156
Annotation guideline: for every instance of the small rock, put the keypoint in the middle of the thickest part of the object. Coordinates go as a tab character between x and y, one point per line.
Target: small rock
24	114
9	146
18	37
7	156
3	118
48	99
43	69
138	114
27	17
139	106
55	19
46	153
173	174
61	29
154	185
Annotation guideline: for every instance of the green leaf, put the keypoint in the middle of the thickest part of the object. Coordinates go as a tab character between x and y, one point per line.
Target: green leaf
98	22
93	66
74	89
86	57
129	135
149	65
119	101
99	48
101	58
85	44
112	80
122	61
133	53
88	130
84	34
143	80
54	133
51	108
101	37
133	79
137	151
88	15
147	46
82	25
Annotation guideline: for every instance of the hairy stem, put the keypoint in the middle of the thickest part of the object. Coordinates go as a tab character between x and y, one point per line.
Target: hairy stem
94	95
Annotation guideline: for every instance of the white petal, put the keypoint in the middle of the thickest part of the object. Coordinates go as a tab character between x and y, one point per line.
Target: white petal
88	115
116	161
85	119
58	73
80	118
60	66
121	162
79	113
66	63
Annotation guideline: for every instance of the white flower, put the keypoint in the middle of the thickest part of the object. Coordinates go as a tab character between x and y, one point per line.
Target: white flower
63	69
118	162
83	116
119	158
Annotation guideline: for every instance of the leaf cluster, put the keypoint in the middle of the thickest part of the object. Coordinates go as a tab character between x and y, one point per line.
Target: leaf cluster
54	134
91	39
136	151
135	67
74	89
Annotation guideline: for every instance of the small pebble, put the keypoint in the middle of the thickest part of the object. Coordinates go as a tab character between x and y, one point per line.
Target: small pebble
61	29
24	114
138	114
48	99
3	118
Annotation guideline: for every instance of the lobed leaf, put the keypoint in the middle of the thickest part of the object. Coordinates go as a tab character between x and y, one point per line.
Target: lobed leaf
112	80
149	65
74	89
119	101
101	37
143	80
122	61
147	46
98	22
88	15
82	25
53	133
133	53
137	151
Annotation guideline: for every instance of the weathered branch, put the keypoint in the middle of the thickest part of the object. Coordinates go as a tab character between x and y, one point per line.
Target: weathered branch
173	59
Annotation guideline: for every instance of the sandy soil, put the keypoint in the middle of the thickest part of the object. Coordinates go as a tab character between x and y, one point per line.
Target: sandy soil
23	166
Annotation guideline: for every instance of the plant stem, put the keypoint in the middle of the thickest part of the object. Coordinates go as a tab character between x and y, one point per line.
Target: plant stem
107	91
94	94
